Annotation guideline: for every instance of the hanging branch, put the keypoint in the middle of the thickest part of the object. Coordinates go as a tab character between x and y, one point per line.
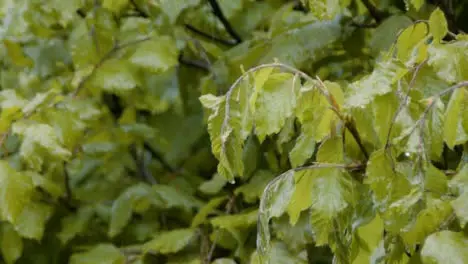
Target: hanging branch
219	13
331	100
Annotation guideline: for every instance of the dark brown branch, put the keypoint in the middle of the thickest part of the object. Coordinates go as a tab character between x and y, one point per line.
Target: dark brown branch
227	42
374	11
219	13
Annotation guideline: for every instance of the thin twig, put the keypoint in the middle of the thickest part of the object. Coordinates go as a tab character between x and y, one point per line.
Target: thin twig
374	11
229	207
227	42
219	13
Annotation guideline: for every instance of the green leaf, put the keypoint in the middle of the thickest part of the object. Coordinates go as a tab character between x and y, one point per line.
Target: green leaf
324	9
16	54
333	192
123	206
32	221
331	151
303	150
16	190
411	44
253	190
385	183
384	35
38	138
116	6
207	209
295	237
156	55
379	82
384	108
275	103
101	253
214	185
279	254
453	116
438	24
237	221
302	197
173	198
115	76
428	221
173	8
74	224
448	60
11	244
461	208
171	241
417	4
368	239
224	261
274	202
445	247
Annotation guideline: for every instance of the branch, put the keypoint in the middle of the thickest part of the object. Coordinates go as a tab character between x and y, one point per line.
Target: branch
374	11
219	13
227	42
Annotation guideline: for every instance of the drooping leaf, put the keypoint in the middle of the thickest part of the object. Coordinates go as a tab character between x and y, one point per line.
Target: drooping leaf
115	76
74	224
449	61
275	103
207	209
273	203
253	190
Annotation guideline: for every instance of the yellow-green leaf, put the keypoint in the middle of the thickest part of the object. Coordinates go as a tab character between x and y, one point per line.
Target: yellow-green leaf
438	24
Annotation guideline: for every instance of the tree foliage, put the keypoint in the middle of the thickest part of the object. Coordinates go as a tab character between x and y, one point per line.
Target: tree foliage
233	131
